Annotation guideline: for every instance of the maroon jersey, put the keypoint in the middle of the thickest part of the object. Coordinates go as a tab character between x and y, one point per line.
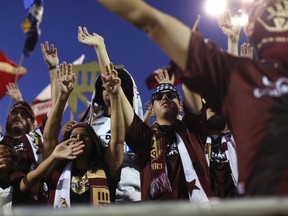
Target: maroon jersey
139	138
29	156
253	97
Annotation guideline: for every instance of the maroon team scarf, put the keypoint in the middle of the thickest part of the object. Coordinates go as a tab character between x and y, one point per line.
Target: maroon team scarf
98	187
160	183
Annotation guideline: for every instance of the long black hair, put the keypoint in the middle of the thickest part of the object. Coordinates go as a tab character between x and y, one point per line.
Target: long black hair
126	84
97	159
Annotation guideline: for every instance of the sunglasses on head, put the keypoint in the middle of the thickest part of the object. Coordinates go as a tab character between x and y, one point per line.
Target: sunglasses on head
170	95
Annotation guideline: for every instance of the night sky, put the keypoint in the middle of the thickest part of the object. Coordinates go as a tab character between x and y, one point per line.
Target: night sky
126	45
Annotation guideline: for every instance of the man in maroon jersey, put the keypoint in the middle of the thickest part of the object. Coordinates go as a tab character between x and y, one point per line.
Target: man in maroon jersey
251	95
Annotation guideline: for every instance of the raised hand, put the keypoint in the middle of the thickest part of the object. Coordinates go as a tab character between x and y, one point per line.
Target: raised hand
162	76
229	28
14	92
148	113
68	149
67	127
148	106
66	78
50	54
111	81
86	38
247	51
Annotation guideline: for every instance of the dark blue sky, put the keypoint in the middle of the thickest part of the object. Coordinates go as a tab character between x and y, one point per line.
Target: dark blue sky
125	44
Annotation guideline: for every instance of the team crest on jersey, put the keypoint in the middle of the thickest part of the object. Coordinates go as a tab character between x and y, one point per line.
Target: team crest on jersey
20	147
277	13
273	89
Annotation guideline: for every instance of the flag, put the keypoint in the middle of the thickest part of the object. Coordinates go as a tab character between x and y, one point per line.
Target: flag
43	101
8	73
28	3
30	26
42	104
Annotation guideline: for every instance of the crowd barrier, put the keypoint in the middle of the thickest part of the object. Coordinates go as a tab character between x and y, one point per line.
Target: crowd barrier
260	206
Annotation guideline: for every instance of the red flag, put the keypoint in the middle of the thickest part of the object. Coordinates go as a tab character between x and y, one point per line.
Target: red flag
41	108
8	73
42	104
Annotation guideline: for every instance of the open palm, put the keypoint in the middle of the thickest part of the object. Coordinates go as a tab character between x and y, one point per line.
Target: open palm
66	78
86	38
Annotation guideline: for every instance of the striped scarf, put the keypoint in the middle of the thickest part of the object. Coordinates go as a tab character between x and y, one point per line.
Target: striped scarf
221	157
160	182
59	194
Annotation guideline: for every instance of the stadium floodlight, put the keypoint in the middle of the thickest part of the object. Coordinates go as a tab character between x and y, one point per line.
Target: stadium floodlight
242	19
215	7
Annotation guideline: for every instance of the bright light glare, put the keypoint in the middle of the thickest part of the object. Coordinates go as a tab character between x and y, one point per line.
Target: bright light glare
215	7
247	1
243	20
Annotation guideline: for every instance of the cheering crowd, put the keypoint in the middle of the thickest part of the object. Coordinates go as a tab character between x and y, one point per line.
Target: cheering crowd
222	137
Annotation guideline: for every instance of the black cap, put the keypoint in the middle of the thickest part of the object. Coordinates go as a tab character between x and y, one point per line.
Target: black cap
25	106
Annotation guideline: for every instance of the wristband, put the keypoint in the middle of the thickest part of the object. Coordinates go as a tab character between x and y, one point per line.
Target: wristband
53	67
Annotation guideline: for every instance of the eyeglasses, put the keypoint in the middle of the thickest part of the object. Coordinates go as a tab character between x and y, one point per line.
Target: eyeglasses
170	95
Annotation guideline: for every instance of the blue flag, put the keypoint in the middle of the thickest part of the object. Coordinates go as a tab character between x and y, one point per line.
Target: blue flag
30	26
27	3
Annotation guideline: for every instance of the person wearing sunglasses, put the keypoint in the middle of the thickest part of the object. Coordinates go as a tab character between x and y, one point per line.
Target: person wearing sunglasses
251	94
170	154
161	75
169	94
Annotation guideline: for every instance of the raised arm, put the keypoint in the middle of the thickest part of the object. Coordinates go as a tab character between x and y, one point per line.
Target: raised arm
50	56
247	50
68	149
148	113
66	82
126	107
106	66
192	100
168	33
115	154
97	42
14	92
231	29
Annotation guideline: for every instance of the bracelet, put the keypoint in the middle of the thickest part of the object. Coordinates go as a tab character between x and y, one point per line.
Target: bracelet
53	67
